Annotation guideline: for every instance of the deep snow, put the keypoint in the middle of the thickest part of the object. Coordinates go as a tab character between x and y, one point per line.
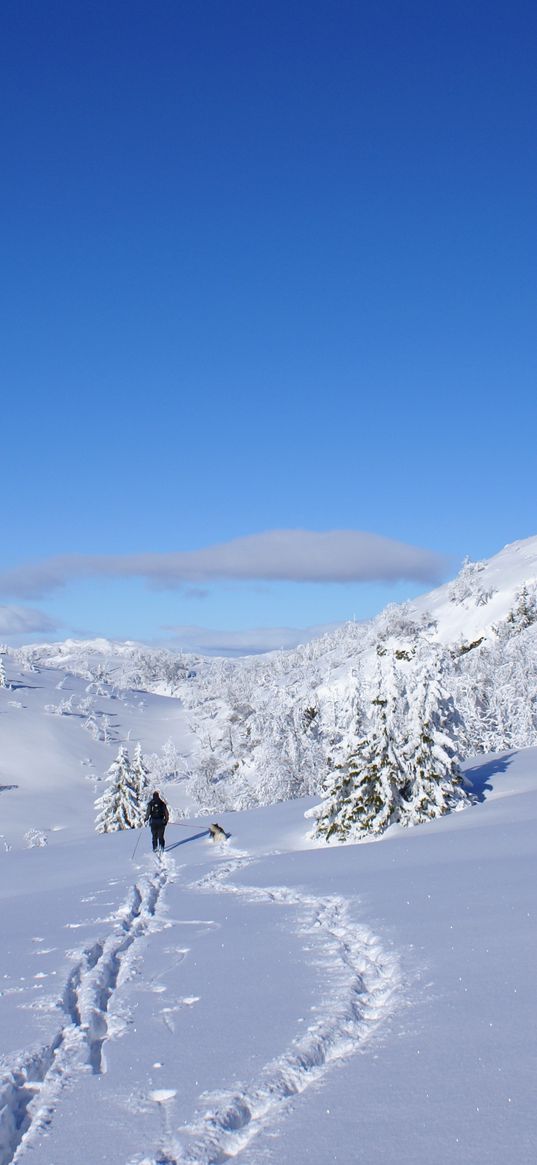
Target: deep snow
262	1000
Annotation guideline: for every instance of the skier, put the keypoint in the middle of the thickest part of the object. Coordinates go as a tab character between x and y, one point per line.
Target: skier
158	817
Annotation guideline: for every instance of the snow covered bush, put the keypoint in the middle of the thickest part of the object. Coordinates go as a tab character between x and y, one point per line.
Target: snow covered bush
99	727
399	621
468	585
35	838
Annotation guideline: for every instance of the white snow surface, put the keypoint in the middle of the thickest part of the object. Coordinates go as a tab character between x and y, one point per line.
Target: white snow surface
265	999
260	999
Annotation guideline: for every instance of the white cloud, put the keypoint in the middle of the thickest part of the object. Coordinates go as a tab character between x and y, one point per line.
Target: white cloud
253	641
333	556
22	620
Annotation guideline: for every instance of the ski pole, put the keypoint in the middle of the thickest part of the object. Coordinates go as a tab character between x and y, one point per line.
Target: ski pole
137	844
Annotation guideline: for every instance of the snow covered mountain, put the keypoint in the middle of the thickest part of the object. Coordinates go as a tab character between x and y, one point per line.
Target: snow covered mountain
267	1000
268	728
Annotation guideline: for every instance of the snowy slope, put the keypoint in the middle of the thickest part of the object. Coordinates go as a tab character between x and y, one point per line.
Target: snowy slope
52	763
271	727
452	611
494	584
267	1002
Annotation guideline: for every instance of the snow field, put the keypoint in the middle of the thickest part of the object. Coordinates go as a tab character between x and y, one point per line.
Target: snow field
363	980
52	767
30	1090
264	966
351	985
264	1000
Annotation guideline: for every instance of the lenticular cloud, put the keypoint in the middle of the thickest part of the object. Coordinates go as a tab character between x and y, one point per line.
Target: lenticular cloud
336	556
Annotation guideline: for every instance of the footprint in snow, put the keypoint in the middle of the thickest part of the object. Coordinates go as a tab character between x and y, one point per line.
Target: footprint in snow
168	1013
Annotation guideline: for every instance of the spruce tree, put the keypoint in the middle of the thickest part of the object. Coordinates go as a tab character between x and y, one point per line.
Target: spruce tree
118	807
3	680
524	611
141	780
404	770
363	795
433	784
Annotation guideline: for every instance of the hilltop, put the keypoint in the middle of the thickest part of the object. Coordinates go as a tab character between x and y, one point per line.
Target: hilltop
266	728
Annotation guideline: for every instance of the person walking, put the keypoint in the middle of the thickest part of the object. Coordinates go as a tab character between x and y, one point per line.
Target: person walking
158	816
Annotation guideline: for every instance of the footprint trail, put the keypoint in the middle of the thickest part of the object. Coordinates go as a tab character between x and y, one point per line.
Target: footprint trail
364	987
30	1088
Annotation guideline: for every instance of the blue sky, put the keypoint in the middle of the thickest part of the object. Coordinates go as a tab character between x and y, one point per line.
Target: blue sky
266	267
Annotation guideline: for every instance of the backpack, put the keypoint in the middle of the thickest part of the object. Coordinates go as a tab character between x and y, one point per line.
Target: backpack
157	809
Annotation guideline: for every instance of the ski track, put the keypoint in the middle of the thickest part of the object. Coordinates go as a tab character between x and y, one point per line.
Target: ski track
365	984
30	1088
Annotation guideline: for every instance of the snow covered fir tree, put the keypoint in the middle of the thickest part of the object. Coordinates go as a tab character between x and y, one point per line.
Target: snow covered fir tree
403	770
121	805
141	777
361	796
524	612
433	784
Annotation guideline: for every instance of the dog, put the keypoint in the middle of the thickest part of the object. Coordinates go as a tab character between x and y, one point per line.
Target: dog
217	833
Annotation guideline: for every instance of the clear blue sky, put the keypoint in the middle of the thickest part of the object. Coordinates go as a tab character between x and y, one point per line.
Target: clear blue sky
266	266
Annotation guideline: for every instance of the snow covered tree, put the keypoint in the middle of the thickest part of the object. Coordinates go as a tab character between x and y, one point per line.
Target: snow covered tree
216	789
468	585
363	796
171	761
106	733
404	769
399	621
208	785
166	765
524	611
119	806
90	725
3	679
141	776
282	767
433	783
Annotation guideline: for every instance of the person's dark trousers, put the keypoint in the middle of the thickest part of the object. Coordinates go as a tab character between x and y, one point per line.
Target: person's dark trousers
157	833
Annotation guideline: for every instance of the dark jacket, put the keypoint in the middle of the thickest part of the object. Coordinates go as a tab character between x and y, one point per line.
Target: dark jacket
157	811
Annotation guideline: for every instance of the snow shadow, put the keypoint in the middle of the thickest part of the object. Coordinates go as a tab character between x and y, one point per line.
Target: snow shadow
18	685
479	776
183	841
